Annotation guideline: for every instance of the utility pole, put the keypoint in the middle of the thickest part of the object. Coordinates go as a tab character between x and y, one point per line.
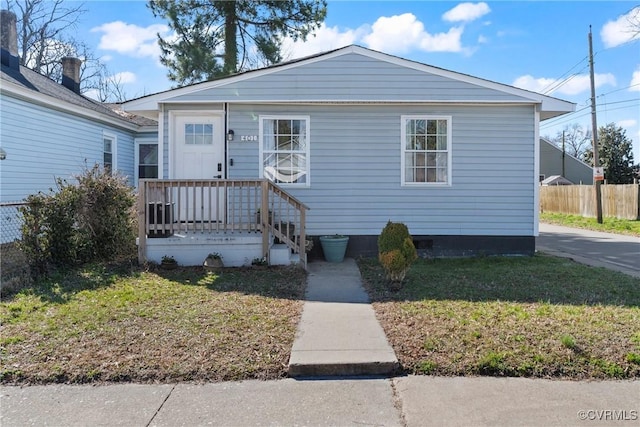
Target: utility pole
594	126
563	150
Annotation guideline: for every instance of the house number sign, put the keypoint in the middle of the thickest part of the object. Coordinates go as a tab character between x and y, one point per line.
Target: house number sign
249	138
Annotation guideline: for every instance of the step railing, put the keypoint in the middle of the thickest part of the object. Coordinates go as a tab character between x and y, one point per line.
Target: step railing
178	206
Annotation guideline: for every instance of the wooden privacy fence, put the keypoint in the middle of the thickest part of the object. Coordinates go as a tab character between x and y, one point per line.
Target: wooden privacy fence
618	200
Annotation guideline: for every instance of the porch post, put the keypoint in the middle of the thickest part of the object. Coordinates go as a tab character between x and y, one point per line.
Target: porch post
142	222
264	218
303	237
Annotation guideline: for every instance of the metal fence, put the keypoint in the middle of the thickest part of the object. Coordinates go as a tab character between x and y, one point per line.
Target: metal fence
14	269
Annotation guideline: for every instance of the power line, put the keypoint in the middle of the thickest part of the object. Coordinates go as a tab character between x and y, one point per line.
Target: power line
547	125
618	90
565	81
545	90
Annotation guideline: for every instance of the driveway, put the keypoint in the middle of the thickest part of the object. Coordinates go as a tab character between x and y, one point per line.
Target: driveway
614	251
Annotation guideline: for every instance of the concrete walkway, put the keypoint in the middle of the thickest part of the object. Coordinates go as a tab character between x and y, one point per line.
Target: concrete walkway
338	333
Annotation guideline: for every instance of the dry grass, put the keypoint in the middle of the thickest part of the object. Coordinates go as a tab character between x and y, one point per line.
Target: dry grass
536	317
103	324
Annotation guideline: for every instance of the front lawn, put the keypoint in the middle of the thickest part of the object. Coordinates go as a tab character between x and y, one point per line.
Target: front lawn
528	316
125	324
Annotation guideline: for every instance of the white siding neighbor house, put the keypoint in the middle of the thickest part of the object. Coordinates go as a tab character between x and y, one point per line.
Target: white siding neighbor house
341	143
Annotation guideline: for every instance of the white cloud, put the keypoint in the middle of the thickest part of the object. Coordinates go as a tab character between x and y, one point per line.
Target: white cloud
123	77
402	33
635	80
397	34
627	123
326	38
482	39
576	85
615	33
130	39
466	12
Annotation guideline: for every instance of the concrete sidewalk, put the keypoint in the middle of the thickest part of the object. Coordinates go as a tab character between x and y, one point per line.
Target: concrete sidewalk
338	333
407	401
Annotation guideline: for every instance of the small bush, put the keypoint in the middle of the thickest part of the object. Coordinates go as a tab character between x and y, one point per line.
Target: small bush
396	251
92	220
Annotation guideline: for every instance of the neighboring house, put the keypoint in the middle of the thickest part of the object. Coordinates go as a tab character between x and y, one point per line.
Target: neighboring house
556	180
49	130
359	138
554	162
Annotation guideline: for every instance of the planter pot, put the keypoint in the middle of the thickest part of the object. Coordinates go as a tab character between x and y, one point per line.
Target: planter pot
334	247
212	264
169	265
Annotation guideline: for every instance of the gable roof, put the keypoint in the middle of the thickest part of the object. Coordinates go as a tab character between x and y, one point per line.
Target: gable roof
27	84
556	180
549	106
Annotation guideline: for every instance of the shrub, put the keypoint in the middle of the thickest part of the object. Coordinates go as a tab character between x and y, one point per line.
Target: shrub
396	251
91	220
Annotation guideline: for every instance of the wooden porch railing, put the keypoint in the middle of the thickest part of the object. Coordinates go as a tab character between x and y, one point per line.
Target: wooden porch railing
176	206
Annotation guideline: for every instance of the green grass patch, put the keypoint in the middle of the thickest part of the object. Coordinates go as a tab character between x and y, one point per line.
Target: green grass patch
538	316
568	341
100	324
609	224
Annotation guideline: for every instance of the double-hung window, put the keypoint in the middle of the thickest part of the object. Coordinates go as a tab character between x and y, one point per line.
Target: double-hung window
108	152
426	150
284	149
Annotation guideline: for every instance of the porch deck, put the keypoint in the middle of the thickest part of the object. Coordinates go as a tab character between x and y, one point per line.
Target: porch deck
240	219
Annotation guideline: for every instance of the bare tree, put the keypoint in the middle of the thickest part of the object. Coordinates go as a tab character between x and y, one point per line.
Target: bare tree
634	20
42	25
108	88
43	40
577	140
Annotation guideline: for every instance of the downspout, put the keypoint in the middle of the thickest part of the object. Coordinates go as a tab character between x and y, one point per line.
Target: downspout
228	161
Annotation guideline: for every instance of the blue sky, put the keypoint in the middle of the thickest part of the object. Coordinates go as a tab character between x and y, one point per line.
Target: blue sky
525	44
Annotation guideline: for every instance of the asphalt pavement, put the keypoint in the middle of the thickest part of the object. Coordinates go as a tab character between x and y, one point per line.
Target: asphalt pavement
613	251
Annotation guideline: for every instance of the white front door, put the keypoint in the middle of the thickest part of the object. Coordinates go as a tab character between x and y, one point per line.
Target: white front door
198	153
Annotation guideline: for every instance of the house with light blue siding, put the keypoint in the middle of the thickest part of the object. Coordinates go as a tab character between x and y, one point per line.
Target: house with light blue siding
49	130
340	143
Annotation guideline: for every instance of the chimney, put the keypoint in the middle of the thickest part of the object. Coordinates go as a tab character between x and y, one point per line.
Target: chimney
71	73
9	40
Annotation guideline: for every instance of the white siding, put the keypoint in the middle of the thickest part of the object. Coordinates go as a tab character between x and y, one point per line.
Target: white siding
355	169
43	144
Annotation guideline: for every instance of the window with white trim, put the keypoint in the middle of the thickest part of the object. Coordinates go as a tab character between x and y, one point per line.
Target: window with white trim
284	149
146	159
426	150
109	152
